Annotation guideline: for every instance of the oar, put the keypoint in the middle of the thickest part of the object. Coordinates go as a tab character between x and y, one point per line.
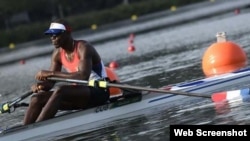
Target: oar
104	84
8	105
216	97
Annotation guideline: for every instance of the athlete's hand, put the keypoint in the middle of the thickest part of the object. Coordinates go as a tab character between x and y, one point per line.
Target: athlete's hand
43	75
37	87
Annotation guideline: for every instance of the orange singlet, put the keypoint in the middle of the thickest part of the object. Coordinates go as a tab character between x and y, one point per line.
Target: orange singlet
70	66
98	70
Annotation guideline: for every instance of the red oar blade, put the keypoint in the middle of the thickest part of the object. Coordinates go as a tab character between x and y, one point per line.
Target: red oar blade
231	95
218	97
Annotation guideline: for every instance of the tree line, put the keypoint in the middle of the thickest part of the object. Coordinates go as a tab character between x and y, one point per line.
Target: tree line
13	12
26	20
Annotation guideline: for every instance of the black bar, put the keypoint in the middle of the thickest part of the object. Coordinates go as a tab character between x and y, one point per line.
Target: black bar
178	132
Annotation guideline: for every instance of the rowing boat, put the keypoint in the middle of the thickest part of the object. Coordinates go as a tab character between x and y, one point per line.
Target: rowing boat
130	104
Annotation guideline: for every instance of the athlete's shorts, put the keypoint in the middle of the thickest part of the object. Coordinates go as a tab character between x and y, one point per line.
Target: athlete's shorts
98	96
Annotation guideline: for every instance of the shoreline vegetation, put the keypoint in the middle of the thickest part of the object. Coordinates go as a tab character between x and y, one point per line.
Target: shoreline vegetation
89	20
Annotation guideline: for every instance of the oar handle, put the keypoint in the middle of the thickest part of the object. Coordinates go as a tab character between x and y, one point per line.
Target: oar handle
6	107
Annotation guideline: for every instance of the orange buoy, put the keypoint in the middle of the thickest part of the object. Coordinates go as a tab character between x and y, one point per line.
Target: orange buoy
22	62
223	57
113	77
131	48
131	41
237	11
113	65
132	36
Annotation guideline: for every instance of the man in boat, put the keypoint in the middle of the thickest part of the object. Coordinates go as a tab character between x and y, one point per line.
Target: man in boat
71	59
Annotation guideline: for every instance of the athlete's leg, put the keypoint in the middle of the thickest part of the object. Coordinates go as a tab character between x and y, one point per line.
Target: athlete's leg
67	97
35	106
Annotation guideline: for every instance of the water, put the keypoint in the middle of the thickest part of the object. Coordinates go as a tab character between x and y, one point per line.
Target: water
164	56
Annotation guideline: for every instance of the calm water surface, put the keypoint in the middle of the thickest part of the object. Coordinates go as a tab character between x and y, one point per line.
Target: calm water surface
162	57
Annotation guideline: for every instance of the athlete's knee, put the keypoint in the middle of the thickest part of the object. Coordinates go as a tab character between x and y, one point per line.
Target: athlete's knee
36	99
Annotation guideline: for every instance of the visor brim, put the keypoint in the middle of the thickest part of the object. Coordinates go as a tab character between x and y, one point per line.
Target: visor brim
53	31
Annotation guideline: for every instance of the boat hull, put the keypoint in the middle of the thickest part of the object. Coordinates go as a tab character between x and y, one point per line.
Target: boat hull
84	120
93	118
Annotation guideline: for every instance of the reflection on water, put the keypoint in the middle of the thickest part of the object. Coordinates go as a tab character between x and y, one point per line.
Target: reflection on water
154	124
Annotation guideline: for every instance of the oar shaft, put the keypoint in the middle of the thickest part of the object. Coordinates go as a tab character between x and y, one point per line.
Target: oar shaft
130	87
68	80
157	90
26	94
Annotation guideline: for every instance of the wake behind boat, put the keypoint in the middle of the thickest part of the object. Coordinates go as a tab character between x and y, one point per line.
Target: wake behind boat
130	104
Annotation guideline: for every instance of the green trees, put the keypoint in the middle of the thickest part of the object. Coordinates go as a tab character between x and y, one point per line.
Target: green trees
25	20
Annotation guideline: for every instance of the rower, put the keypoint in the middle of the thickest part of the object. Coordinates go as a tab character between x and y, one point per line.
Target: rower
82	62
